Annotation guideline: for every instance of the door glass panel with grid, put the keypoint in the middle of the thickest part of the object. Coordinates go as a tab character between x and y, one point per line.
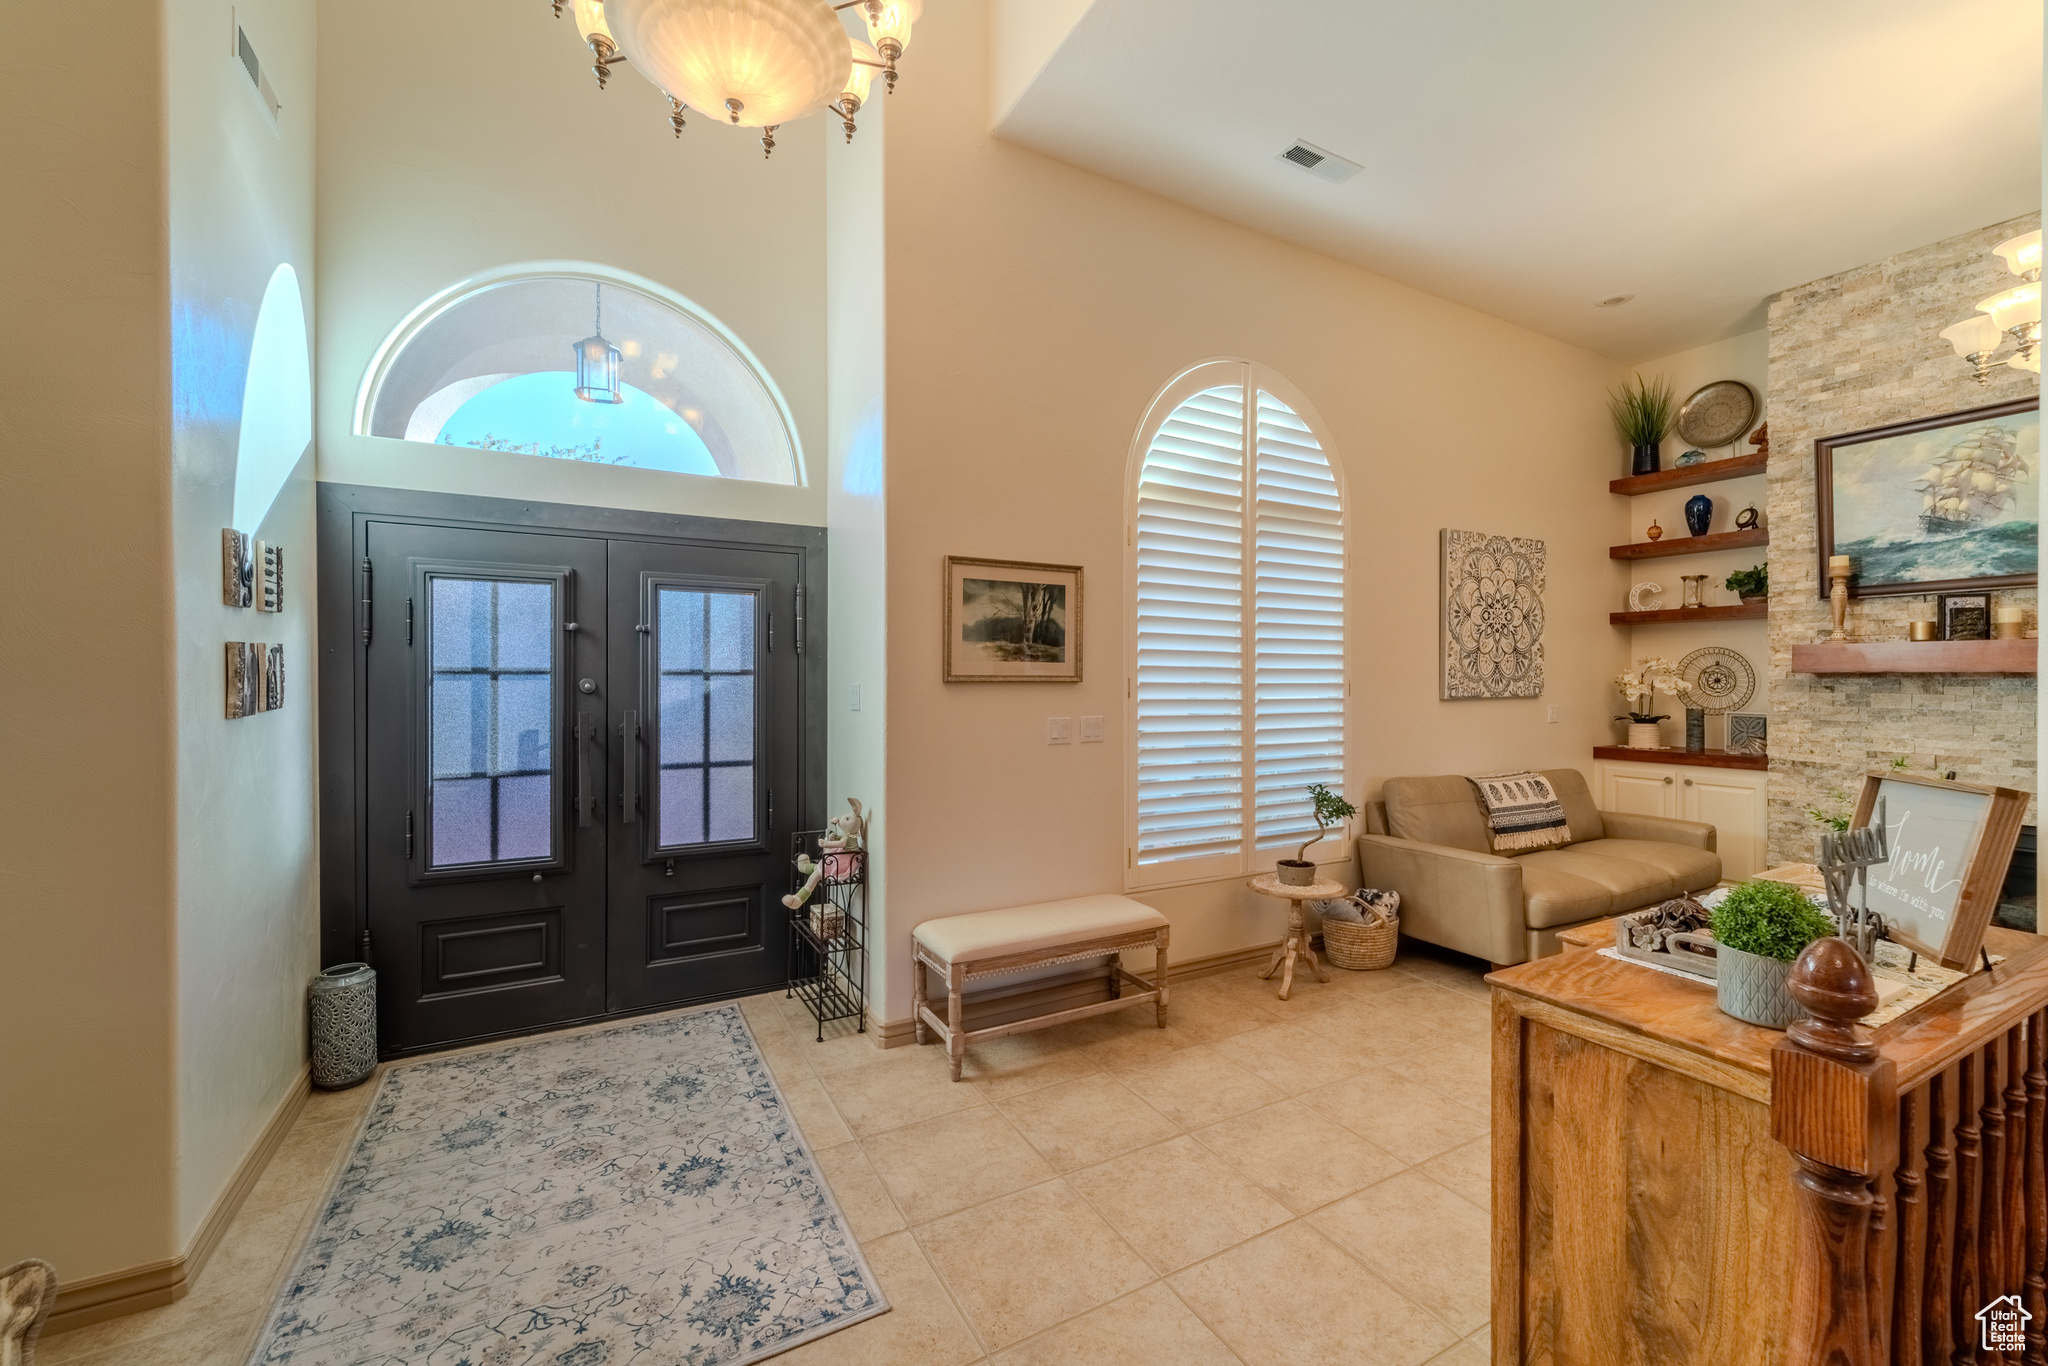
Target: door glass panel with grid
706	664
490	718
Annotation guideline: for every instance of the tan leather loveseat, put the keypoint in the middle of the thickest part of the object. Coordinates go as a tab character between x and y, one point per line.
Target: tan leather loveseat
1426	839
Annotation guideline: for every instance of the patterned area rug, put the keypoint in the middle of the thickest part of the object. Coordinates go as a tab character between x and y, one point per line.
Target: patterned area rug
634	1193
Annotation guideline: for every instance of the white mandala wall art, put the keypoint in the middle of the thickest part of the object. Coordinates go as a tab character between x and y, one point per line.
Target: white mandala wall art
1492	616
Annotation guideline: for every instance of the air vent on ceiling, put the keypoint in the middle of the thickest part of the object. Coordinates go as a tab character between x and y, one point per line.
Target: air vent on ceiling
258	78
1318	161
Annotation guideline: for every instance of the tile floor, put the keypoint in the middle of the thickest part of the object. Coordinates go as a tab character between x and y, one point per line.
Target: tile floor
1263	1182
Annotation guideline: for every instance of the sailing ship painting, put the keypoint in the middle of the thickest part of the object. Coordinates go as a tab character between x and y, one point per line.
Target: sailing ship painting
1936	504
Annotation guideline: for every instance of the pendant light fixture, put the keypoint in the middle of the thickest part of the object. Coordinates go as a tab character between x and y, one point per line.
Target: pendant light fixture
2013	313
597	364
751	63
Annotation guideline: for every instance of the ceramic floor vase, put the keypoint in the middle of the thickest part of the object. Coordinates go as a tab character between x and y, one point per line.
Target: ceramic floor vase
343	1000
1753	988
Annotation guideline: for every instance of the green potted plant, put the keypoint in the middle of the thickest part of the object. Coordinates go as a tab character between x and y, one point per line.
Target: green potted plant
1643	412
1752	584
1300	871
1759	929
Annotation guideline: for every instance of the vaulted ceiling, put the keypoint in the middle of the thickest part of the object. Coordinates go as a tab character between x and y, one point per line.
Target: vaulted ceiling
1531	160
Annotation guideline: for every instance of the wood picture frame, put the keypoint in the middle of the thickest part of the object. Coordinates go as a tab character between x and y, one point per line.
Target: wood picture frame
1937	899
1011	621
1869	580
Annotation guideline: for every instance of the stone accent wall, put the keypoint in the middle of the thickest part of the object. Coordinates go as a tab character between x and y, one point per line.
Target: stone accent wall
1858	350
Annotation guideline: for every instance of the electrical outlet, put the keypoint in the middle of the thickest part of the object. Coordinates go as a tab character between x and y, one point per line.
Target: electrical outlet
1059	730
853	699
1091	730
1552	717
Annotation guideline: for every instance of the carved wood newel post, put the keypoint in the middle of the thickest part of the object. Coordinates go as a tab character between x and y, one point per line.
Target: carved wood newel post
1834	1104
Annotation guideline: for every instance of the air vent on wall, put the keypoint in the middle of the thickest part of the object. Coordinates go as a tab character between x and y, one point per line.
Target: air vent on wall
1318	161
245	52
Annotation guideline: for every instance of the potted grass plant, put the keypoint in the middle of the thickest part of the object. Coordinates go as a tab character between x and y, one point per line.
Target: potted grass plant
1643	412
1329	810
1760	928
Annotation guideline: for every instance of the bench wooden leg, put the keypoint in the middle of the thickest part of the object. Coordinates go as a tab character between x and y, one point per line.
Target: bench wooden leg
917	997
1159	974
1116	986
956	1046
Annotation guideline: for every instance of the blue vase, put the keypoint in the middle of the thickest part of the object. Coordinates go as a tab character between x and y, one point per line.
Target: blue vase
1699	513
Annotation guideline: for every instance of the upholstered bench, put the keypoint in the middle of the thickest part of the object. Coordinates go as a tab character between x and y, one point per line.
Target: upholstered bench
963	947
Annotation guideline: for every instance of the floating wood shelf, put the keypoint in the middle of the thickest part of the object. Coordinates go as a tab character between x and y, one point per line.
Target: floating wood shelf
1689	545
1741	611
1685	476
1917	657
1712	758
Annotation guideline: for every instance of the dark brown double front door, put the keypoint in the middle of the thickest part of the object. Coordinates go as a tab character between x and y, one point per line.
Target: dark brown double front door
580	769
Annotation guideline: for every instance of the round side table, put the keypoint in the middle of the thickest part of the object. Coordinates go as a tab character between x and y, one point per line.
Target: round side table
1296	945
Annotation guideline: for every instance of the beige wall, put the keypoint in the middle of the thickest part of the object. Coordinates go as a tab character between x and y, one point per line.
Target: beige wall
459	138
1034	312
1853	351
1746	358
86	1079
241	204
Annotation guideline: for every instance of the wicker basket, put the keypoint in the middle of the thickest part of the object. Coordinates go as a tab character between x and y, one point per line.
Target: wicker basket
1361	946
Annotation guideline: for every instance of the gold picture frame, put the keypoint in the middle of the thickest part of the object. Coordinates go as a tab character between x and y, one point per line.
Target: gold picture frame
1011	621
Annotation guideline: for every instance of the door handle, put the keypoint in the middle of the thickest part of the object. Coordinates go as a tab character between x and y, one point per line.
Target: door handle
629	798
583	729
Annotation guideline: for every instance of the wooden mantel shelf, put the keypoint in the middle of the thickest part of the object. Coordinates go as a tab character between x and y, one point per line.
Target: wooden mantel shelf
1685	476
1918	657
1739	611
1689	545
1712	758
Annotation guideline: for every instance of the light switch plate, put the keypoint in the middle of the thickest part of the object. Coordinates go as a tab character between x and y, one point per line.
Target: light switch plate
1059	730
1552	718
853	699
1091	730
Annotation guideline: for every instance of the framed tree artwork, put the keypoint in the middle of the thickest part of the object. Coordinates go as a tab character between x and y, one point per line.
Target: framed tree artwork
1011	621
1935	505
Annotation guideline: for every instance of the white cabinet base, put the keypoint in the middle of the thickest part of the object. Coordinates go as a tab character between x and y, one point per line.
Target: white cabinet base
1732	800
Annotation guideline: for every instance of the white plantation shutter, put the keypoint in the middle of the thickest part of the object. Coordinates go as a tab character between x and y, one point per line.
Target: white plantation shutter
1238	699
1298	626
1190	646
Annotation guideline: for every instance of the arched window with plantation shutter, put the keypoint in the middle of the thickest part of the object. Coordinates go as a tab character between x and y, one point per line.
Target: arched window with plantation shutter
1237	697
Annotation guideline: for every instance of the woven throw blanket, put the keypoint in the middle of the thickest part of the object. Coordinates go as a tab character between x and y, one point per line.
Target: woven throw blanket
1522	811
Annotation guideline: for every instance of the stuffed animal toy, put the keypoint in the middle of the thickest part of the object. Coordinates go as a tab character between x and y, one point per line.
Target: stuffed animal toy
847	831
810	871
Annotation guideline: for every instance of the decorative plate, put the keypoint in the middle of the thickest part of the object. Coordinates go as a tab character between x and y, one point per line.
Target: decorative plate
1721	679
1718	414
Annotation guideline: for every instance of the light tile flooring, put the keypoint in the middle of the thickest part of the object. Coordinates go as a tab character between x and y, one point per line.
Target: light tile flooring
1261	1182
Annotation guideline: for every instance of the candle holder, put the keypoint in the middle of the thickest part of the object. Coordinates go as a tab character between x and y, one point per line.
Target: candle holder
1838	597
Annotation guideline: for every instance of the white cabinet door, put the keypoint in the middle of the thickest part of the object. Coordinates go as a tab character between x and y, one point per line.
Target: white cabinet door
1639	789
1733	803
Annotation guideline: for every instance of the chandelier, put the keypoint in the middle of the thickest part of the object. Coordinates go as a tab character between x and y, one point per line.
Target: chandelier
2013	314
754	63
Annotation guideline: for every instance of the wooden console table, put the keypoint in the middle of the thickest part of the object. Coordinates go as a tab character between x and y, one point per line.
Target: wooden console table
1671	1185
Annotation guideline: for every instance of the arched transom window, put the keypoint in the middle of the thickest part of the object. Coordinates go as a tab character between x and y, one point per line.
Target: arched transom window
578	363
1237	536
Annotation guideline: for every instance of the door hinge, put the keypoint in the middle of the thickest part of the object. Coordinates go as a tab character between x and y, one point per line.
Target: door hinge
771	808
363	943
408	834
799	618
366	599
408	621
771	633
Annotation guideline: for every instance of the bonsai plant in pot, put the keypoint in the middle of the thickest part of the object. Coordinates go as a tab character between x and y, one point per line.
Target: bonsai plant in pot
1643	412
1760	928
1641	686
1752	584
1329	809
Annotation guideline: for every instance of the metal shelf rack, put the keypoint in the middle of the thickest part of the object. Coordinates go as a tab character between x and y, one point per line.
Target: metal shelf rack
828	937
